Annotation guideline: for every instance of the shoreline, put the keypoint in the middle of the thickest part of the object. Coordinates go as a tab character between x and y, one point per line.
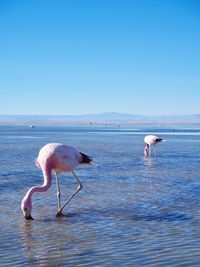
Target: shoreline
32	124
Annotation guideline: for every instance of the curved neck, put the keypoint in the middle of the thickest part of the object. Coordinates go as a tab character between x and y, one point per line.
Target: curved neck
43	188
146	150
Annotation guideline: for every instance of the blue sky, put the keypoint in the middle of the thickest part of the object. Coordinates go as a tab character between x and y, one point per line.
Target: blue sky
92	56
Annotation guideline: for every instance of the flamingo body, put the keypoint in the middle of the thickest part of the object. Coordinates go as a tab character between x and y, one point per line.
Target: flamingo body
150	140
58	158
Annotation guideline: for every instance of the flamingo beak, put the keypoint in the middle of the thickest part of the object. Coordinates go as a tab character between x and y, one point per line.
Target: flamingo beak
29	217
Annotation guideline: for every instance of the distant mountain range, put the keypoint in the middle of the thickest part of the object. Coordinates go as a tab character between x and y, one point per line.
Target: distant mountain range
109	117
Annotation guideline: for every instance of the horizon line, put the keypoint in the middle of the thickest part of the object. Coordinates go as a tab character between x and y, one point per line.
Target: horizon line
102	113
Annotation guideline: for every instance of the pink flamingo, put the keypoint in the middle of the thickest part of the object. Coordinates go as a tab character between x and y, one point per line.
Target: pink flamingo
150	140
58	158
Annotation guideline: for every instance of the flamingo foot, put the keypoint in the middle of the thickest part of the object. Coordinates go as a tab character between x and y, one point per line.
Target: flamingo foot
59	214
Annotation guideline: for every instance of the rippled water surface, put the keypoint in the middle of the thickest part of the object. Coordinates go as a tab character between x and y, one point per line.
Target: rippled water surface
132	211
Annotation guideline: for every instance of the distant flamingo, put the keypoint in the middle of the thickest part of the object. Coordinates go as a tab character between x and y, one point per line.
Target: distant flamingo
58	158
150	140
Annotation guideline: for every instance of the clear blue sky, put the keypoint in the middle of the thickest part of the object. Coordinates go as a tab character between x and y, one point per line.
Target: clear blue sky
92	56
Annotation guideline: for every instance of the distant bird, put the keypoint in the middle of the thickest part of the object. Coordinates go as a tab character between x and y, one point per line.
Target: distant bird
57	158
150	140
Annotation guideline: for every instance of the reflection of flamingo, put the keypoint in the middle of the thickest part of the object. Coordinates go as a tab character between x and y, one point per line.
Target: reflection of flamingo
151	140
58	158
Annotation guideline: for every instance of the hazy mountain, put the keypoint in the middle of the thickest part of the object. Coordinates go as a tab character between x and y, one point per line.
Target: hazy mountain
109	117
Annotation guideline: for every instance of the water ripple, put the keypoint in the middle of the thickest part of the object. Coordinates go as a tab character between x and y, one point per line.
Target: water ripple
132	211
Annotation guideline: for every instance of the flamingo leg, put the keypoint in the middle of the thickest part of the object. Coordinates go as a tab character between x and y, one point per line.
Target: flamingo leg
155	150
149	150
58	191
80	186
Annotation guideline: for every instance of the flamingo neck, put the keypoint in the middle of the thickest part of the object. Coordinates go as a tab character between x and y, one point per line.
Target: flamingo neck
43	188
146	150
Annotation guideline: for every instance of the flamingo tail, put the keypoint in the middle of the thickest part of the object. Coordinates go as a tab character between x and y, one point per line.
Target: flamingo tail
85	159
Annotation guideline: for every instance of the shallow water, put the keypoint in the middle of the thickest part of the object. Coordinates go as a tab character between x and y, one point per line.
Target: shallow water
132	211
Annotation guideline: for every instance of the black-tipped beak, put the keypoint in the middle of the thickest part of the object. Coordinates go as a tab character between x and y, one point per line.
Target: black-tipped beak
29	217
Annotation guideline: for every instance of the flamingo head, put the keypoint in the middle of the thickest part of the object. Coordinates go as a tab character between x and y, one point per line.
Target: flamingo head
146	150
26	207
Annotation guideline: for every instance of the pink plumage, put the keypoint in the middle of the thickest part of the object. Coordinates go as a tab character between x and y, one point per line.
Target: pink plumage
150	140
58	158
